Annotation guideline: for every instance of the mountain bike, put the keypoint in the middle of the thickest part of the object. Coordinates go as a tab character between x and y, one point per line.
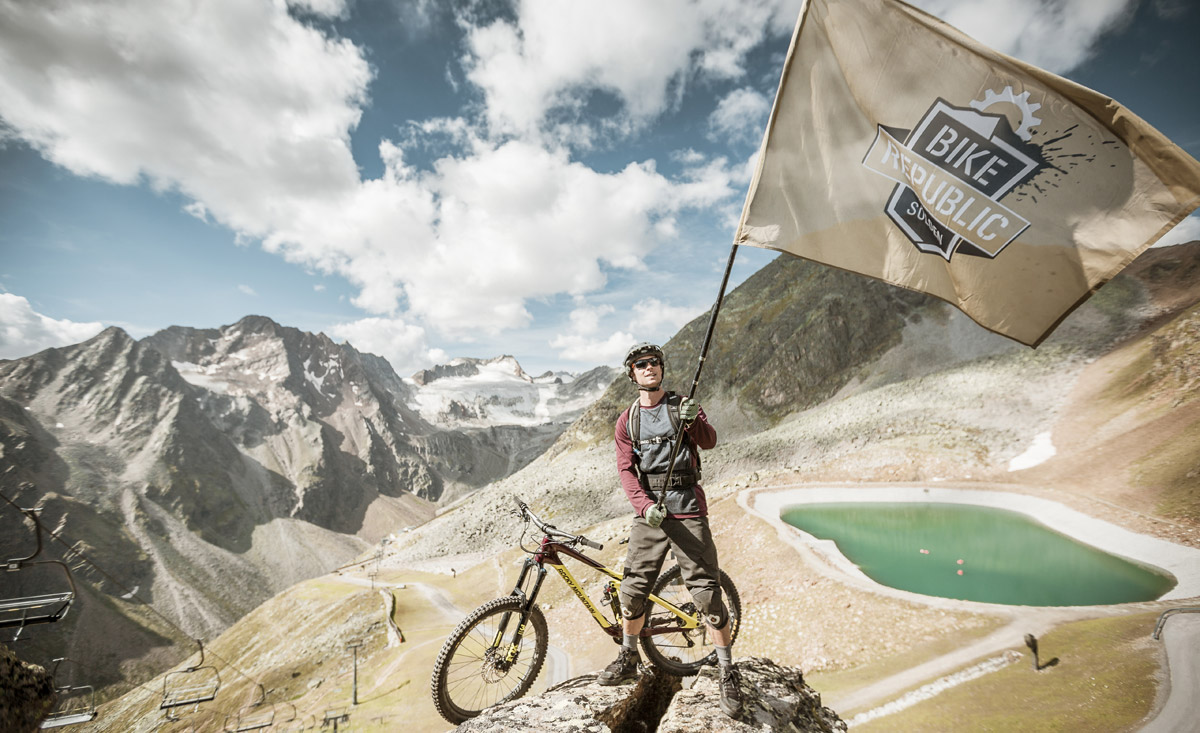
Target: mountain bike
496	652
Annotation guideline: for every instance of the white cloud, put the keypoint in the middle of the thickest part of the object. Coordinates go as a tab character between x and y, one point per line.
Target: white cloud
247	290
23	331
402	344
584	340
233	103
657	320
1185	231
554	56
517	221
327	8
1056	35
740	115
593	350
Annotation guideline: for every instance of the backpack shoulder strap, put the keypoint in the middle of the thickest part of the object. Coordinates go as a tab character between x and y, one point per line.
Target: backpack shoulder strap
672	401
633	425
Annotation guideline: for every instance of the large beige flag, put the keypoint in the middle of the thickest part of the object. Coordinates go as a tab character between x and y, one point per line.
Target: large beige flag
901	149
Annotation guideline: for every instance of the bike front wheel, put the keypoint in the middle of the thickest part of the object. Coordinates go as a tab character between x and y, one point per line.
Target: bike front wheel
684	652
477	667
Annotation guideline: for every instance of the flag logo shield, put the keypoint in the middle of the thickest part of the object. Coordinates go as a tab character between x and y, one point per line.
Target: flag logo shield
952	171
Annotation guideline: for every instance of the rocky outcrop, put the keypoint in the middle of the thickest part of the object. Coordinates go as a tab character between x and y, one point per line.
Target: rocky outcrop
26	693
775	698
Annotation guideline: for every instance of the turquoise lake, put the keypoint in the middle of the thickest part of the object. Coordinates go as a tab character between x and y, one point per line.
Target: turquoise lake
976	554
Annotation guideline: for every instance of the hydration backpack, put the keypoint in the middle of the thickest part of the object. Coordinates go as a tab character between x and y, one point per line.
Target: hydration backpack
634	427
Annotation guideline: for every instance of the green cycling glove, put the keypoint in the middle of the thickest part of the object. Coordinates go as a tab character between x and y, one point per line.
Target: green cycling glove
655	515
689	409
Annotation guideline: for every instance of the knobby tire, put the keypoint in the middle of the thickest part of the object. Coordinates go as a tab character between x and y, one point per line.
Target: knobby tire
466	680
683	654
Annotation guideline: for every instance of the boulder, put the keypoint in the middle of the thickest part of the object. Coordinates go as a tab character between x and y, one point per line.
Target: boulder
26	693
581	705
775	698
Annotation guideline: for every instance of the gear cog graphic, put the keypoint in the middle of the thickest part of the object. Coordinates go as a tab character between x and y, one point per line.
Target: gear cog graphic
1020	101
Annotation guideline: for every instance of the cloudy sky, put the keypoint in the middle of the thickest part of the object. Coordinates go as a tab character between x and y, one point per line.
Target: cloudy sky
547	179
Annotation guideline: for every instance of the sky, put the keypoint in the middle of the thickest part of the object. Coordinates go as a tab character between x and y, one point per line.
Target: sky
428	180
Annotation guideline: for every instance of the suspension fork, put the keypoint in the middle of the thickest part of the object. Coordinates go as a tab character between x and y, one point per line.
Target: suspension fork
514	643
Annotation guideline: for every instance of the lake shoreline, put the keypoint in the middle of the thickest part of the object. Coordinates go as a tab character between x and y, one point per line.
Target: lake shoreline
1181	562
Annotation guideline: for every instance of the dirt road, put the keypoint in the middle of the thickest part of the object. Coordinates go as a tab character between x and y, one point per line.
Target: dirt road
1181	634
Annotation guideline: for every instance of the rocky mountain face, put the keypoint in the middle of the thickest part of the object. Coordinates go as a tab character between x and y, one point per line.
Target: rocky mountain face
208	469
511	417
796	334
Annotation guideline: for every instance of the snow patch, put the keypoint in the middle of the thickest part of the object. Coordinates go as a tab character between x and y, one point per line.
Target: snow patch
499	393
318	383
1041	451
200	376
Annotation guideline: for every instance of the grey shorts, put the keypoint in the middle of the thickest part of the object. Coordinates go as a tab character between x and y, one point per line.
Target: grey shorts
692	544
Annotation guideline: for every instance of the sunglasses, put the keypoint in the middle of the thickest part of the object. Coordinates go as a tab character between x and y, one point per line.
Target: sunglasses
643	363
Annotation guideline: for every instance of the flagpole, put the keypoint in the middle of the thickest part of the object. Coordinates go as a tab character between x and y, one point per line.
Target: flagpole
712	323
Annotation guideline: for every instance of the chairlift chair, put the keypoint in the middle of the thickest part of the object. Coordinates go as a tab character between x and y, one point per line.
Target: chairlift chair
18	611
192	686
77	702
255	716
295	726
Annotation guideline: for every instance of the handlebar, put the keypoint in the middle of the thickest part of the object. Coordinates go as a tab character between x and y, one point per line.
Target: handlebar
551	531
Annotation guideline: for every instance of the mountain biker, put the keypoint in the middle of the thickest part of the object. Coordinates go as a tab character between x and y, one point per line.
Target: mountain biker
681	524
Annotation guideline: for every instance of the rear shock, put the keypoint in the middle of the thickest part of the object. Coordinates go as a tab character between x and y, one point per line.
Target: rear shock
612	598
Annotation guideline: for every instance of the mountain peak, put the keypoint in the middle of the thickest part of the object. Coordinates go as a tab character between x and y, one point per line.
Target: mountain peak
257	324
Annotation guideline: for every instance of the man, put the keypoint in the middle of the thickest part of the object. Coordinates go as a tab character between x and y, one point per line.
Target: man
644	444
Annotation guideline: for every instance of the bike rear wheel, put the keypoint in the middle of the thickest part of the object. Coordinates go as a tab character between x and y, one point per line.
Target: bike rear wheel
472	671
683	653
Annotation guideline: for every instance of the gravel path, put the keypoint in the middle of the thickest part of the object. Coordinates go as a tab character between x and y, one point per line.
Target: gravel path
1182	638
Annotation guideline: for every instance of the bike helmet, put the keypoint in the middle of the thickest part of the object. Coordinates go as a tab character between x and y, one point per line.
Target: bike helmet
643	349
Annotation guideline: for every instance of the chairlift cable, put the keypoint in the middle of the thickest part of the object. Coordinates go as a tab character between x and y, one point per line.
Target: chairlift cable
84	667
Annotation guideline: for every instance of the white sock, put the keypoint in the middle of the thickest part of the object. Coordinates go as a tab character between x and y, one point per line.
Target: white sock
724	655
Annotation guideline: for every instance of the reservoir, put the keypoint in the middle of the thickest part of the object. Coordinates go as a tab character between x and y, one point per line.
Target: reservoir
975	553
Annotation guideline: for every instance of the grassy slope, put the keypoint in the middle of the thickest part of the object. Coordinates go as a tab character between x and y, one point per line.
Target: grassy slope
1105	679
